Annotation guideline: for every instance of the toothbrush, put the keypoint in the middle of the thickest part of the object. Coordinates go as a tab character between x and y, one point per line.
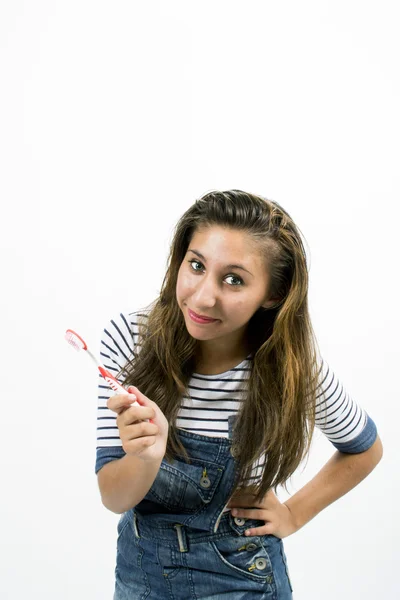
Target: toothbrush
78	343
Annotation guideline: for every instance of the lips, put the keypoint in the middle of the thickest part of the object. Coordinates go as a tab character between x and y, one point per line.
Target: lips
201	317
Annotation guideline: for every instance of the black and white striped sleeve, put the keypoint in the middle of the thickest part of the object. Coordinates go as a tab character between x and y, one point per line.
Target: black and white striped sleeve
116	349
344	422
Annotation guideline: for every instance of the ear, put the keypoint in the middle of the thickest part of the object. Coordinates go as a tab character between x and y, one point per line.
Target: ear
269	303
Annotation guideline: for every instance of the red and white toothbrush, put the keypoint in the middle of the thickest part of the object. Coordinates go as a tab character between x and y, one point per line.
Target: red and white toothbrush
79	343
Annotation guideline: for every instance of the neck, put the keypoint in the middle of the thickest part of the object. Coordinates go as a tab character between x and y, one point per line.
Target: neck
206	355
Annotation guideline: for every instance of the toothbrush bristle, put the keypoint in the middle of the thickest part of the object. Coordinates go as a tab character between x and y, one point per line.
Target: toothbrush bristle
75	340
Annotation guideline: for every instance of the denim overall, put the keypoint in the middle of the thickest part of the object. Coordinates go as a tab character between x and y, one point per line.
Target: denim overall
176	544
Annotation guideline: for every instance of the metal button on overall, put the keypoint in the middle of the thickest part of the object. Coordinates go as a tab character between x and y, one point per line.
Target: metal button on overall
251	547
261	563
205	482
239	521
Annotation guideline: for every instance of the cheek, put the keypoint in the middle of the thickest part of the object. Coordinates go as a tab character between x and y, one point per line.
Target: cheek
185	280
182	285
241	310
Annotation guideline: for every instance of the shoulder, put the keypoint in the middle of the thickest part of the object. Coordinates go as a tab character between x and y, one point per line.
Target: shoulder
120	335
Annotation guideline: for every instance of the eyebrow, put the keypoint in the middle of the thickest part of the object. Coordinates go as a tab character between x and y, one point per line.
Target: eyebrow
227	266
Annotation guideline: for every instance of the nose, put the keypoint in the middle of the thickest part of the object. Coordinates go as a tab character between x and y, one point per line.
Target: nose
205	295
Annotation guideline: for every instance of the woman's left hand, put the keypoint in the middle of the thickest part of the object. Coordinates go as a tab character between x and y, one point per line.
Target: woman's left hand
279	521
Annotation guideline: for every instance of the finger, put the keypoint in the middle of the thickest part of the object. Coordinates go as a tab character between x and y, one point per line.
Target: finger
133	414
119	402
266	529
141	399
251	513
140	430
138	445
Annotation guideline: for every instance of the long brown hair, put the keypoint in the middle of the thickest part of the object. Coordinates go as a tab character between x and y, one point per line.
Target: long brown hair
278	417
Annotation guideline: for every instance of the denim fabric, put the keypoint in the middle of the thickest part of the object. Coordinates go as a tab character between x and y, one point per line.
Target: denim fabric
178	544
363	441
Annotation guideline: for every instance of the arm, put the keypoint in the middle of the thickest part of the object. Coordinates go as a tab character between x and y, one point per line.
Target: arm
123	479
359	449
338	476
124	482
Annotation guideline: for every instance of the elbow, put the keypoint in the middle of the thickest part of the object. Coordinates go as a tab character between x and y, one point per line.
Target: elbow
378	449
114	506
374	453
114	509
107	500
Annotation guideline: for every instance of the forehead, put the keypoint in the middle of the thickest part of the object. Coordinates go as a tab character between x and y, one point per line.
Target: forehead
227	245
233	240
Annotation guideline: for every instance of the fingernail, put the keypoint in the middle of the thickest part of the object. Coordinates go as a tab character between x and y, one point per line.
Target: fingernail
132	397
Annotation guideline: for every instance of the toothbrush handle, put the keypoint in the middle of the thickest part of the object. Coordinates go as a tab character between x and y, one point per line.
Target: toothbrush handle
112	382
116	386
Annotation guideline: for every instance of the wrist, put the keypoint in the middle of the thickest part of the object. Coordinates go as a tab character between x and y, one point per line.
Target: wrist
296	519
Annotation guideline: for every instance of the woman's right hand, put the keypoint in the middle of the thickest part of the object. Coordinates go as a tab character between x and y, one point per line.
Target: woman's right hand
139	438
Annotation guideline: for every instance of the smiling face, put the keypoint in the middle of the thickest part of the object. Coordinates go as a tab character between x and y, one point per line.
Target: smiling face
213	285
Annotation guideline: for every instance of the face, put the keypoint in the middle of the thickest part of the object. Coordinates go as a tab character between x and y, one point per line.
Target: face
210	286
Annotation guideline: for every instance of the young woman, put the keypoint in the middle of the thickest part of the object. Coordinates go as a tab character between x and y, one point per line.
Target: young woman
230	382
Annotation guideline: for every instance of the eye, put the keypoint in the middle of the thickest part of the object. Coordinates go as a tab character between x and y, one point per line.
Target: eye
194	261
199	271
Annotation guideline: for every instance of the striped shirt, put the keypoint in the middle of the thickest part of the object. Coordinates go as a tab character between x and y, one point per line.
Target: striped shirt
213	398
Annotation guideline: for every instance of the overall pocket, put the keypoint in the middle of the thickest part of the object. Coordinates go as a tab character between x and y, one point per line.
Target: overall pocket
184	487
244	556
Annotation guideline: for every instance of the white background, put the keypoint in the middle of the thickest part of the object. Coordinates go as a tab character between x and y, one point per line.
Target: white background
114	118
